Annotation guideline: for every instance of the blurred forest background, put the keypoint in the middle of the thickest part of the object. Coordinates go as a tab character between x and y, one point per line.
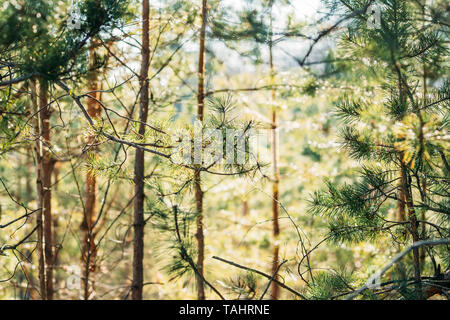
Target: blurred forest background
349	200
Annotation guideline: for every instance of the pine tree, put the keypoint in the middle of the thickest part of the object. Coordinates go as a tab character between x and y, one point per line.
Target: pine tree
139	165
398	139
198	188
90	226
257	26
39	55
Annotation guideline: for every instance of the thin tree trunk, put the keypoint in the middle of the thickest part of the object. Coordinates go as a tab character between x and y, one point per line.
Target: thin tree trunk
47	168
88	250
275	204
19	179
47	197
139	165
424	181
28	180
276	177
197	178
128	241
38	151
33	293
245	208
406	198
401	213
406	185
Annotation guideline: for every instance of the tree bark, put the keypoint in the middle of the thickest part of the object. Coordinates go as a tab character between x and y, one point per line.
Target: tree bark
406	185
276	177
48	164
423	194
28	180
44	167
275	205
139	166
38	154
401	213
197	178
406	197
88	249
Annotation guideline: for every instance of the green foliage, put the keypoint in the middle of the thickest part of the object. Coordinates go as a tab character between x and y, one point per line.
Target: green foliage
389	135
244	286
382	93
42	50
329	285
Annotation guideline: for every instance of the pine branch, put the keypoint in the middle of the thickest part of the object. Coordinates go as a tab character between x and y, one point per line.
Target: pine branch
397	258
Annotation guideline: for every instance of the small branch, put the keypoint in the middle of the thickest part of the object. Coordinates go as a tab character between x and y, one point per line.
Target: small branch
13	247
298	294
400	256
16	80
26	215
272	278
109	136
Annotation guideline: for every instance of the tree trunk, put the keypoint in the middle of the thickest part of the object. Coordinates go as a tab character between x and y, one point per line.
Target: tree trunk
38	153
88	249
44	168
28	180
276	177
48	164
423	194
406	185
401	213
245	208
197	178
275	204
139	166
19	179
406	197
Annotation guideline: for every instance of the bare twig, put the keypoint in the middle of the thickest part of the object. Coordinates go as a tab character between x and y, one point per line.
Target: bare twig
298	294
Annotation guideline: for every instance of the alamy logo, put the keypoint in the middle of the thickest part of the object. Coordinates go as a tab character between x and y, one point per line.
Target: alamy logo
74	20
210	146
73	281
374	17
374	280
